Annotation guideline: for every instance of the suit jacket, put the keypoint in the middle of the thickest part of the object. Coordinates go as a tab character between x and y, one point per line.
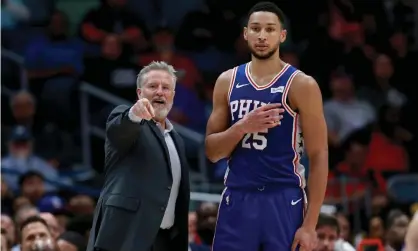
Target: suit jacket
137	187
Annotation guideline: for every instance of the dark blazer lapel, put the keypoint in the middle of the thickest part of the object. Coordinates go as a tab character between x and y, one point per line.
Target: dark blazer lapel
159	134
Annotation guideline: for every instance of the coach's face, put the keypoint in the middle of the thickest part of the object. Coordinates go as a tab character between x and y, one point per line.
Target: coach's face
158	88
264	33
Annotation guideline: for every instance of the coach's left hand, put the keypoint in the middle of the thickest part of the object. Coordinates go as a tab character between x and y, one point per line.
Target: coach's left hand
305	239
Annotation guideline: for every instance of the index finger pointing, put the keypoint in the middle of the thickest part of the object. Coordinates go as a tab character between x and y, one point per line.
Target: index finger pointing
270	106
147	104
151	110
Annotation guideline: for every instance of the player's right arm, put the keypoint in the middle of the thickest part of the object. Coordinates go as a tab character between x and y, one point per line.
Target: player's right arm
123	125
221	139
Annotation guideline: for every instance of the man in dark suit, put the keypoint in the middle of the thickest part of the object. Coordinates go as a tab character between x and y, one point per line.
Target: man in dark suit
145	199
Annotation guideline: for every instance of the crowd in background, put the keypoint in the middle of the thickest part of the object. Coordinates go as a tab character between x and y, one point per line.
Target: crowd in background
360	52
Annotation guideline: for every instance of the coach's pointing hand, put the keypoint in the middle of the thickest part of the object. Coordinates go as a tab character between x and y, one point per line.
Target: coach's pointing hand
143	109
262	118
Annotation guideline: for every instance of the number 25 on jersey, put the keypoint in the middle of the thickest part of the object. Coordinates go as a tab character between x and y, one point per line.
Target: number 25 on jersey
256	141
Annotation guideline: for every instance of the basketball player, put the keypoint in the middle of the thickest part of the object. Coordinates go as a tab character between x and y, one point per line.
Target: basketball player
260	110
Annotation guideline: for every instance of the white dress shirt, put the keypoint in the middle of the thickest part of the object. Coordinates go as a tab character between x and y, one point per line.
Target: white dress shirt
169	214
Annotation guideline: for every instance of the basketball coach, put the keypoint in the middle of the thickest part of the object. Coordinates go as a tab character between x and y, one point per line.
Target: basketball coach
144	202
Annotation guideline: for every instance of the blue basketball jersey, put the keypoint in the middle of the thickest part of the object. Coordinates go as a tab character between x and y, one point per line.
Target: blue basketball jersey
271	157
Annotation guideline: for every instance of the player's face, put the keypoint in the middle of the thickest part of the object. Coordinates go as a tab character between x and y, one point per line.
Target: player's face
264	33
327	235
158	88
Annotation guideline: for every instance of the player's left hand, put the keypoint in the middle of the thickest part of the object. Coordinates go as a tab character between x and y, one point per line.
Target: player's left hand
305	238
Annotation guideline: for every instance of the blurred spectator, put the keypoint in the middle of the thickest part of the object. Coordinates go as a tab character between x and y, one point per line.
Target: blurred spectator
53	226
195	242
21	159
20	202
163	45
193	236
71	241
188	109
112	70
35	235
382	90
49	142
23	106
344	113
208	46
54	61
396	225
55	52
205	92
401	16
376	228
63	217
327	231
32	186
51	204
6	198
403	60
82	205
81	224
23	213
344	237
16	19
350	174
4	243
356	52
8	230
386	151
200	29
13	12
55	206
206	218
112	17
380	204
344	225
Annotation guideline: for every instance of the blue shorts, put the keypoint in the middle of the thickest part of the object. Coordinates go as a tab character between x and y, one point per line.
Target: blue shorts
263	219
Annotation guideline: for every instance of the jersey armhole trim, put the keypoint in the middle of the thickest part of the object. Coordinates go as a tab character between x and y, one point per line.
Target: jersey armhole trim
286	92
231	83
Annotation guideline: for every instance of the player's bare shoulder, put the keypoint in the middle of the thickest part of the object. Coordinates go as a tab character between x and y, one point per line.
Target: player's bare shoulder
304	82
303	88
223	82
219	118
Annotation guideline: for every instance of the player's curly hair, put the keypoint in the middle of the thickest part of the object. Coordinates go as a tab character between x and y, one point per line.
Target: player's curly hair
267	7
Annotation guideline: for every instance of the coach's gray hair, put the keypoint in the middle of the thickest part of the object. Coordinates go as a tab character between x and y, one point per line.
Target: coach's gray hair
155	65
